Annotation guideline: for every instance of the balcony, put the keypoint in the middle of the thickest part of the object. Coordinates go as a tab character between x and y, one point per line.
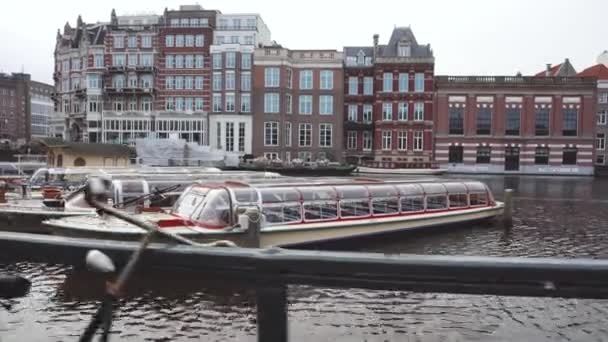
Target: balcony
358	126
512	81
129	90
236	28
80	92
116	68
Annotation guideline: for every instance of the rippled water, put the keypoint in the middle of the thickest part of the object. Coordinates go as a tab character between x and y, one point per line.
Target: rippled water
563	217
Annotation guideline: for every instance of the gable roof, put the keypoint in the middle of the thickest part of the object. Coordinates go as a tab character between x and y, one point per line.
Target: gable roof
564	69
404	34
88	148
600	71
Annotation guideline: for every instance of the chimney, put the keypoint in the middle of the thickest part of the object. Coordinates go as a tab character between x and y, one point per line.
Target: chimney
376	36
548	71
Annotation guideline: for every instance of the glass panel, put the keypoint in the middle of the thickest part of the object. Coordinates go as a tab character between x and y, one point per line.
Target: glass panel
318	193
274	195
354	208
436	202
475	186
458	200
352	191
433	188
385	206
216	209
284	213
246	195
478	199
320	211
382	191
409	189
412	204
189	201
455	187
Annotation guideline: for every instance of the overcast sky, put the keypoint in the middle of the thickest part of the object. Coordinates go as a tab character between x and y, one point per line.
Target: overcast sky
467	36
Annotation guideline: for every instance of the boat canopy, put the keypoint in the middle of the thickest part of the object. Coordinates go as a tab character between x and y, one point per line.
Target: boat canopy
214	205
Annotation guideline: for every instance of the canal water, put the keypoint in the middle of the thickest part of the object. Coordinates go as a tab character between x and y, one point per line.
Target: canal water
553	216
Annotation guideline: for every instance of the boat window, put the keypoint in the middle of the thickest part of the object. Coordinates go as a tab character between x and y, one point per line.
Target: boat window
277	195
412	204
475	186
245	195
382	191
320	210
318	193
190	201
433	188
354	208
385	206
458	200
455	188
130	191
215	211
282	213
409	189
436	202
352	191
478	198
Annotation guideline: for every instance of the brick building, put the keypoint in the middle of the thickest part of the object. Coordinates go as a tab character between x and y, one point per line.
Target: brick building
389	101
298	104
516	124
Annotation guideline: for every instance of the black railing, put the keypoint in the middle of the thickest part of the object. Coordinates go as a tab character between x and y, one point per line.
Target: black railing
269	271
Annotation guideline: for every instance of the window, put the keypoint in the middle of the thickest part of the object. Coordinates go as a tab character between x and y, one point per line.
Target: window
248	40
75	63
118	60
132	42
419	82
271	134
367	141
541	121
513	121
351	140
246	61
217	61
119	42
199	41
179	103
118	81
94	81
602	98
234	39
179	82
326	105
305	106
569	156
271	103
246	81
353	85
241	137
368	85
217	102
198	82
599	159
199	61
402	141
146	81
419	111
600	141
169	40
184	22
403	82
387	82
229	102
455	154
484	120
327	79
352	112
217	81
189	61
245	103
436	202
367	113
387	136
179	61
230	60
412	204
132	60
289	78
325	135
456	120
230	80
179	40
146	41
306	79
570	122
198	103
288	134
387	111
189	103
541	156
98	61
402	111
601	117
483	154
418	141
305	135
288	104
146	60
271	77
169	61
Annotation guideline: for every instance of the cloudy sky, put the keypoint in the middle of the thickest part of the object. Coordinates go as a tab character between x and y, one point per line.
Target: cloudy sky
467	36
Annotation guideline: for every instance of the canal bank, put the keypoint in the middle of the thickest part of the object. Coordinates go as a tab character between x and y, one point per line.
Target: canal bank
553	216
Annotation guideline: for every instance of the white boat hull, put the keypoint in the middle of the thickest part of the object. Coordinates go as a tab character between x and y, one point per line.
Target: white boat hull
363	169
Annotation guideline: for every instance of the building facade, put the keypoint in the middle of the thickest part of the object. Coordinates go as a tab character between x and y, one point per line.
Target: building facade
600	72
298	104
515	124
42	107
389	101
15	108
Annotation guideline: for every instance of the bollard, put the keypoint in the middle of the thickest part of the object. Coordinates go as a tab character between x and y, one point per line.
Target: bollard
251	220
507	215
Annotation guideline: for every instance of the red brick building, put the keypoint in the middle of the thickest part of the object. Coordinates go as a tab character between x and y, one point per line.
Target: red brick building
388	107
515	124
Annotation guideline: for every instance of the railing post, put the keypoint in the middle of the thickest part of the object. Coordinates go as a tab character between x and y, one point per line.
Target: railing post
508	210
272	312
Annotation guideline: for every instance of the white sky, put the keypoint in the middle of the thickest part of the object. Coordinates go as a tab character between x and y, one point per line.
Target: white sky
467	36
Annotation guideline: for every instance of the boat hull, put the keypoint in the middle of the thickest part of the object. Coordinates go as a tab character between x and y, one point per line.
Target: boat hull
30	221
291	235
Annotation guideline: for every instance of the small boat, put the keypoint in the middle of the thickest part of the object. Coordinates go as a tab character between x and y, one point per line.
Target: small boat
153	193
302	210
296	167
399	171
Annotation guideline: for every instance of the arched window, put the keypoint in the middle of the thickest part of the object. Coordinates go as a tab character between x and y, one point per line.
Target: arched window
79	162
59	160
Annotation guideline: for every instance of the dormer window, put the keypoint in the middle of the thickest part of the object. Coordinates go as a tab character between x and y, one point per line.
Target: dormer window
403	50
360	57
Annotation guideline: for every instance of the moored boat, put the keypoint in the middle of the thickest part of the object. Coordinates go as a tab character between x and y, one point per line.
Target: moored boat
303	211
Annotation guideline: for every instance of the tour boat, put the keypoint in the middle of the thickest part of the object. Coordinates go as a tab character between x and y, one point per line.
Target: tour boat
154	192
303	211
